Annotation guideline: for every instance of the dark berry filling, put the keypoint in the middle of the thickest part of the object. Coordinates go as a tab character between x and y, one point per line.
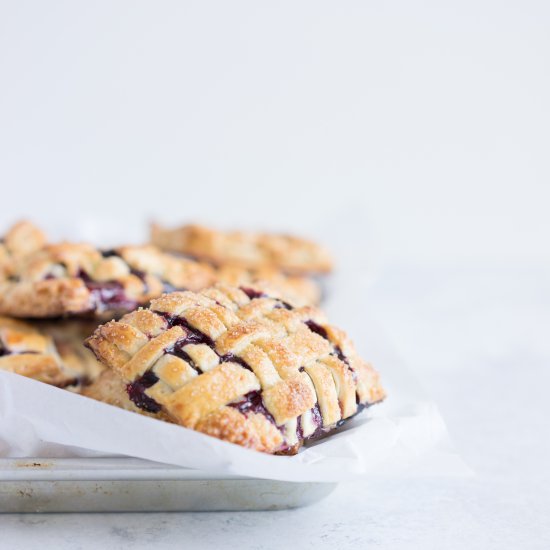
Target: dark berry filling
194	336
108	295
283	305
178	351
136	392
251	293
230	358
252	402
317	420
321	331
317	329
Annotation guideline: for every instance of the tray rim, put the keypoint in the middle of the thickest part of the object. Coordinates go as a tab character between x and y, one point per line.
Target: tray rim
112	469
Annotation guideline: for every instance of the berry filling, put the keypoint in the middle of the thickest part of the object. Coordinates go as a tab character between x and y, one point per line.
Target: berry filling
253	403
317	420
107	295
193	336
230	358
178	351
284	305
110	295
136	392
251	293
317	329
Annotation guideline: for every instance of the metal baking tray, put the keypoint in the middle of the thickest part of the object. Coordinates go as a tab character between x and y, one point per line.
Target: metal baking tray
134	485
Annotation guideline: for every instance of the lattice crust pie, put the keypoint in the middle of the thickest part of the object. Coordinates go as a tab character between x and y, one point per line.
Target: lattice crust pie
30	351
286	253
47	280
238	365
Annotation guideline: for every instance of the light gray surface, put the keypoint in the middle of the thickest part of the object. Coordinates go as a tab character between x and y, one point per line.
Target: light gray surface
478	340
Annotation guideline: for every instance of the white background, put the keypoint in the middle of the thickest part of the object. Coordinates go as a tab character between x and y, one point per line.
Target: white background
430	118
410	136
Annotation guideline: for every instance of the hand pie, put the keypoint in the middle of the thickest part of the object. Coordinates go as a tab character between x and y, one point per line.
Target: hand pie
289	254
239	365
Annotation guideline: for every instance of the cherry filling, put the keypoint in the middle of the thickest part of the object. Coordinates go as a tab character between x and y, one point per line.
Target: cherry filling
136	392
321	331
193	336
318	329
108	295
251	293
252	402
230	358
178	351
317	420
284	305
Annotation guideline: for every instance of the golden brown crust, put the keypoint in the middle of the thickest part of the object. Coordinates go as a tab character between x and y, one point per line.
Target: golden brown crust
28	351
238	365
69	336
246	249
23	238
254	431
48	298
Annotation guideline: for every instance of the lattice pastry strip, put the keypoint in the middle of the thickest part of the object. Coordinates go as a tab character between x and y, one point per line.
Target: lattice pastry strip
238	365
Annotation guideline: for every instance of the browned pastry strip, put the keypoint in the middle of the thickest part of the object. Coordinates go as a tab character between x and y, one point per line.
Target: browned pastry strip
239	365
245	249
28	351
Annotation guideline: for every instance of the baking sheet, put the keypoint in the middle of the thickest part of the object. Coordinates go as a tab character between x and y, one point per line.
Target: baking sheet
127	485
